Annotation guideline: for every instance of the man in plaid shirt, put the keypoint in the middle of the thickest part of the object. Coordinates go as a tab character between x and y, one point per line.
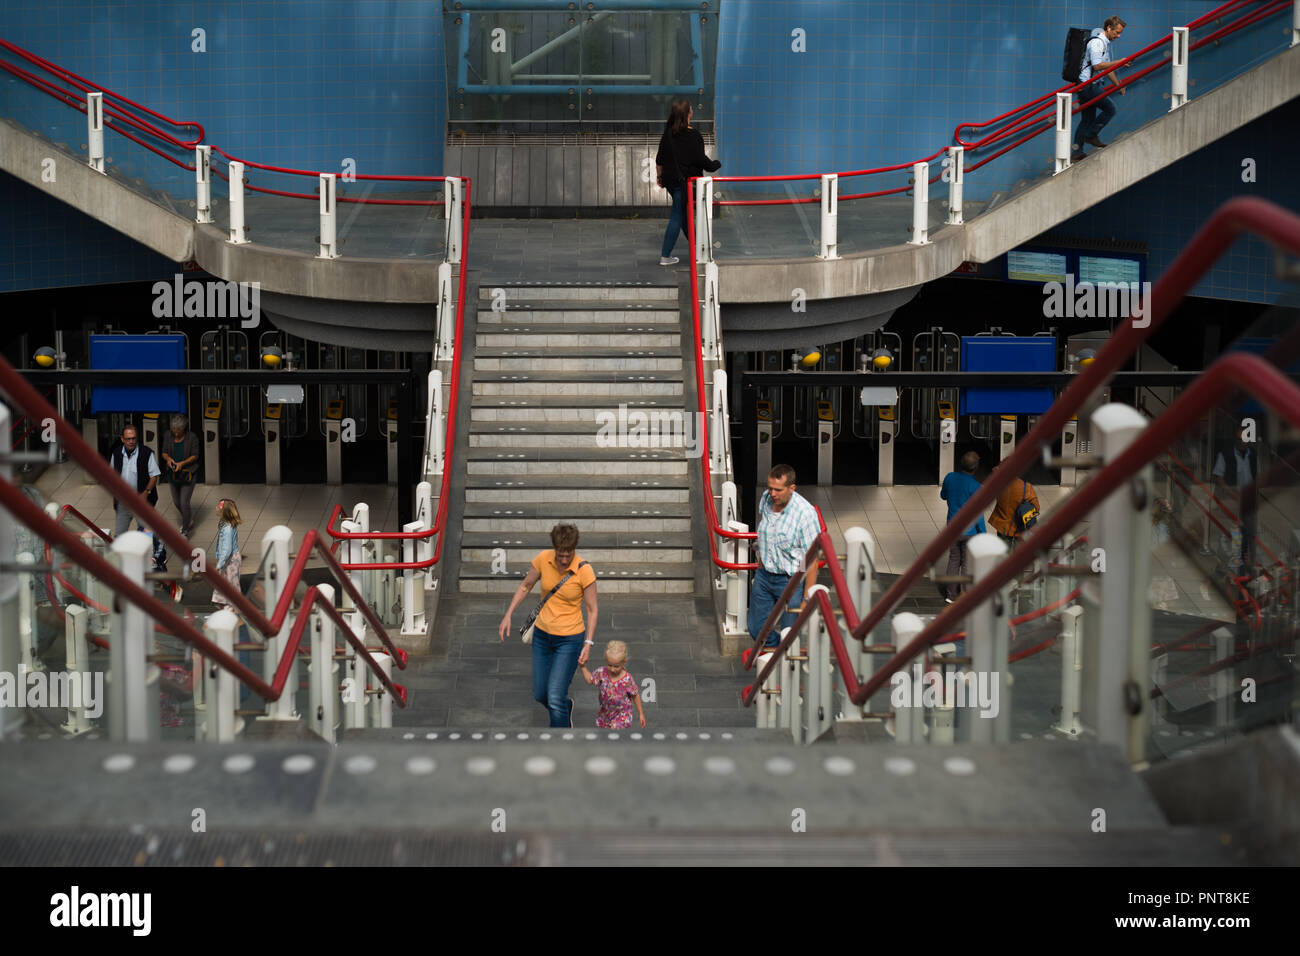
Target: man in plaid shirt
787	526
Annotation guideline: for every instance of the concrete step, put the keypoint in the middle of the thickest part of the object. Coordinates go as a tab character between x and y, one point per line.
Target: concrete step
543	460
719	737
613	577
577	359
614	316
546	494
560	408
577	291
671	431
538	516
639	335
520	547
626	384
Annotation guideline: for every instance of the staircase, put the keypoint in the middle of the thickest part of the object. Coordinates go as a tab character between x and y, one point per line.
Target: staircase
552	366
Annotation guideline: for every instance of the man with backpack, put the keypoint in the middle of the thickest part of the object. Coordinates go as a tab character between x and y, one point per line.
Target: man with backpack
1097	59
1016	511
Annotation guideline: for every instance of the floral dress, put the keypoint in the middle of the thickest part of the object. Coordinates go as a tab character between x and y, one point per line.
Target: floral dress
616	695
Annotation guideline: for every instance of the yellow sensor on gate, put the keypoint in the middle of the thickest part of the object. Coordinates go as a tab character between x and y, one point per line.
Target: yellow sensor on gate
764	411
334	410
825	412
946	411
392	409
885	413
212	410
273	410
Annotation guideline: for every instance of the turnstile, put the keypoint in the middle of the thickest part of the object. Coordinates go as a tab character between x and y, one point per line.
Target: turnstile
274	440
212	441
333	425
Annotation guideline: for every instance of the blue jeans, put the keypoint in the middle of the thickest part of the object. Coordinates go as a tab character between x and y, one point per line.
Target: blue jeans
676	220
555	660
763	597
1091	124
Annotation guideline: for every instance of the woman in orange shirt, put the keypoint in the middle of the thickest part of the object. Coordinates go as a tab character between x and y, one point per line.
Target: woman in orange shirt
558	645
1003	518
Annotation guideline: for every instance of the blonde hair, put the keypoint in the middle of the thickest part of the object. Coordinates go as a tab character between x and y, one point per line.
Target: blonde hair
230	514
616	652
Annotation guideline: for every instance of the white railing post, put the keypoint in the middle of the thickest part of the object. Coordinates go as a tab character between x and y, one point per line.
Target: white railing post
445	315
324	682
739	582
830	216
1117	652
77	663
909	720
453	207
223	688
988	641
352	555
26	620
202	183
956	183
703	219
1064	115
719	427
389	593
1178	61
710	316
791	689
276	542
238	231
1295	23
1071	670
424	547
413	622
381	702
435	433
860	554
133	710
727	516
821	691
354	694
920	204
357	553
95	131
328	185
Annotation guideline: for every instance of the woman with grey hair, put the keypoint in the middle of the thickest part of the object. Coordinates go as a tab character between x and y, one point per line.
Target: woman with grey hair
181	467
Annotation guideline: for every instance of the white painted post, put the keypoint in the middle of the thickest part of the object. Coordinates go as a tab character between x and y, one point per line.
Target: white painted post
324	683
389	596
223	689
445	315
988	638
437	433
203	183
360	579
830	216
1117	652
1064	115
26	619
276	542
791	690
413	622
77	658
454	209
920	204
710	318
424	547
719	428
352	549
238	232
1071	670
703	219
740	579
381	702
1225	692
133	708
354	696
956	183
95	131
763	701
1178	62
860	553
328	246
909	721
821	689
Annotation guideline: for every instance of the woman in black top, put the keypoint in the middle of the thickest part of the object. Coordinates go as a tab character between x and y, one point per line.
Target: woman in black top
181	465
680	156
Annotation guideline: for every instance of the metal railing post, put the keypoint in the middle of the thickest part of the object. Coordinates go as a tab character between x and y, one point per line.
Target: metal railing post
1178	62
202	183
413	622
352	549
328	245
445	315
830	216
77	663
424	547
1064	114
238	231
988	641
133	711
860	555
357	553
730	580
324	682
437	433
710	316
95	131
820	715
909	720
719	427
956	183
381	702
389	593
791	690
920	204
1071	670
26	620
1117	652
223	689
453	199
703	219
276	542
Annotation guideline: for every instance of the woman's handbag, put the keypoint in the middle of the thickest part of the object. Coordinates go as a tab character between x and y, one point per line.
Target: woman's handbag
526	629
1026	513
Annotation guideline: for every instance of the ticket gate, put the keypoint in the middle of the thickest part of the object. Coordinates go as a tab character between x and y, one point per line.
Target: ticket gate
272	417
766	432
150	432
390	431
212	441
332	422
947	438
825	442
887	431
1006	436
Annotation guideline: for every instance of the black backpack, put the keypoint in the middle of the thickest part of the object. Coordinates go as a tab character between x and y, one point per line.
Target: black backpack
1026	513
1076	45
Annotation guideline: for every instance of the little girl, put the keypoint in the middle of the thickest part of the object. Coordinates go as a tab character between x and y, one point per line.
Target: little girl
229	561
618	690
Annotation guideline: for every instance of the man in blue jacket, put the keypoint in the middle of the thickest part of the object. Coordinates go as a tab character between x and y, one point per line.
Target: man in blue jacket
957	488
